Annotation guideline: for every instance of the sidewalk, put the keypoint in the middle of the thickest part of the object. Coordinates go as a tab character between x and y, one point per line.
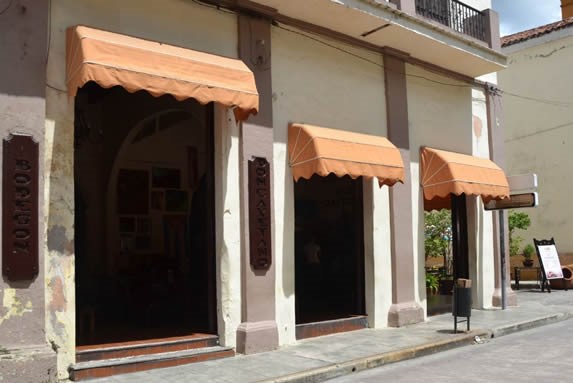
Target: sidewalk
318	359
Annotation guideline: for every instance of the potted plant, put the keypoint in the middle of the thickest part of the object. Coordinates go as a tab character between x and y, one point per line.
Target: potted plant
527	252
516	221
431	283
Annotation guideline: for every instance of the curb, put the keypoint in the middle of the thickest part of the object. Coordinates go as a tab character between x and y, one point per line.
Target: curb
336	370
529	324
345	368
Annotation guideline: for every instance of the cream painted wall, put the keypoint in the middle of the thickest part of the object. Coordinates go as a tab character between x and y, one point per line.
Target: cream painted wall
195	27
439	111
227	225
539	135
321	85
480	222
440	116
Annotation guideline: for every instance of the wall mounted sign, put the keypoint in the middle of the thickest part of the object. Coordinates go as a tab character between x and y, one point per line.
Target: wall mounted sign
514	201
20	208
260	213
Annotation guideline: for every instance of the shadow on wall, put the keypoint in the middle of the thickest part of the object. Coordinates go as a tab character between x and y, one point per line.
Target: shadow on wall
24	45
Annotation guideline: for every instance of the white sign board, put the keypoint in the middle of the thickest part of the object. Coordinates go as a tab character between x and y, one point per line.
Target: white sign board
522	183
550	260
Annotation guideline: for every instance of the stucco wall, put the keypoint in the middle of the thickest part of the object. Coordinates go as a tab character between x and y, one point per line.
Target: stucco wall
26	355
440	116
317	84
538	134
195	27
22	111
480	221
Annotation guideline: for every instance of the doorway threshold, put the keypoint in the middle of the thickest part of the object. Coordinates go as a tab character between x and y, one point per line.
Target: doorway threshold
96	361
314	329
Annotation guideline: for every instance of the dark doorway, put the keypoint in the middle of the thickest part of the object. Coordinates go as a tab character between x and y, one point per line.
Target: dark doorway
329	249
144	217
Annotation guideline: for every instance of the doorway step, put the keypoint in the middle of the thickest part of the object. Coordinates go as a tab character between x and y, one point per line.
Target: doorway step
97	361
310	330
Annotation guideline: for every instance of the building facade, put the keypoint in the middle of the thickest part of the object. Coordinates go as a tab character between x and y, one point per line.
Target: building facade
537	114
242	173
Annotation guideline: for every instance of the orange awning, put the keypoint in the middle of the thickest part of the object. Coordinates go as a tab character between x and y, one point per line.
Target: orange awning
444	173
316	150
112	59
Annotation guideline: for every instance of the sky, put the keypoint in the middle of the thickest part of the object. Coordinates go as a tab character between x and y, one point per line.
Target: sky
520	15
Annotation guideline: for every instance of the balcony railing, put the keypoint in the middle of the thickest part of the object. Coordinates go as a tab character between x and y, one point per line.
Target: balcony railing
454	14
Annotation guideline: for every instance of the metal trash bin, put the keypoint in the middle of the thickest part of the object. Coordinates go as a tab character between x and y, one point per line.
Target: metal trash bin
462	302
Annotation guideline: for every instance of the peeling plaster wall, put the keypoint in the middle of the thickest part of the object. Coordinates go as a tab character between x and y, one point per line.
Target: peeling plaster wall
195	27
25	355
538	135
480	223
317	84
228	225
22	111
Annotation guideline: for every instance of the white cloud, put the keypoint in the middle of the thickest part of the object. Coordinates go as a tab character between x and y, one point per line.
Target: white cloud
520	15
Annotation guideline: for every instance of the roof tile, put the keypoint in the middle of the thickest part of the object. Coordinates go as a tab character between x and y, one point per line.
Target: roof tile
535	32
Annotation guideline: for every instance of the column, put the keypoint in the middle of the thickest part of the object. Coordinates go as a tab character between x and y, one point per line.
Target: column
404	310
23	38
258	329
495	126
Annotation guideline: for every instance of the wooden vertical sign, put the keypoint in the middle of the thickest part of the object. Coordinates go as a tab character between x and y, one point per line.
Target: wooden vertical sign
260	214
20	208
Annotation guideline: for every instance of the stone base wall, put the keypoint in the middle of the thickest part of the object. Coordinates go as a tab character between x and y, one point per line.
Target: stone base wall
34	364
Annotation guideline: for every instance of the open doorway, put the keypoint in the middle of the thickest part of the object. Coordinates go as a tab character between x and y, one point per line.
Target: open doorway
144	216
446	239
438	260
329	249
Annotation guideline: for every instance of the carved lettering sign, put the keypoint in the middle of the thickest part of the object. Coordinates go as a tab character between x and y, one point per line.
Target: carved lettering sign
260	213
20	208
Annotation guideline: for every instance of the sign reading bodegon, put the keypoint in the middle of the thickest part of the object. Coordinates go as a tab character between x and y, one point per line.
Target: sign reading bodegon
260	214
20	208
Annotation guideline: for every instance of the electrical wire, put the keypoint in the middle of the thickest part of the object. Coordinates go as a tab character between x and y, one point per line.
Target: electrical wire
6	8
55	88
217	7
49	30
560	126
540	100
328	44
458	85
366	59
307	35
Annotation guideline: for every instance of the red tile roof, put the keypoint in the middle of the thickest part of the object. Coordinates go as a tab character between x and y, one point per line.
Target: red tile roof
535	32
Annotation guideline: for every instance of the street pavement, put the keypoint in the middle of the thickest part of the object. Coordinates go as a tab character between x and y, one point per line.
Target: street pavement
542	354
329	357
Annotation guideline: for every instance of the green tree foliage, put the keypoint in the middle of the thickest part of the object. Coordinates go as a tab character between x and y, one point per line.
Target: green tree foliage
516	221
438	233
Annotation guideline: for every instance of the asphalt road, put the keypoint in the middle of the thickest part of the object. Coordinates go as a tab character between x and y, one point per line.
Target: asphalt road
544	354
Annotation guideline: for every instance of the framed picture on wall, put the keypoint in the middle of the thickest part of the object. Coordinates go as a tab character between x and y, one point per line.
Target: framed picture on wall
157	200
143	225
165	178
176	201
142	242
132	191
126	224
193	171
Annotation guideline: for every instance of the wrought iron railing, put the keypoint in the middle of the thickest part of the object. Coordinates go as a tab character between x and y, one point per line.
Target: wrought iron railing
454	14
